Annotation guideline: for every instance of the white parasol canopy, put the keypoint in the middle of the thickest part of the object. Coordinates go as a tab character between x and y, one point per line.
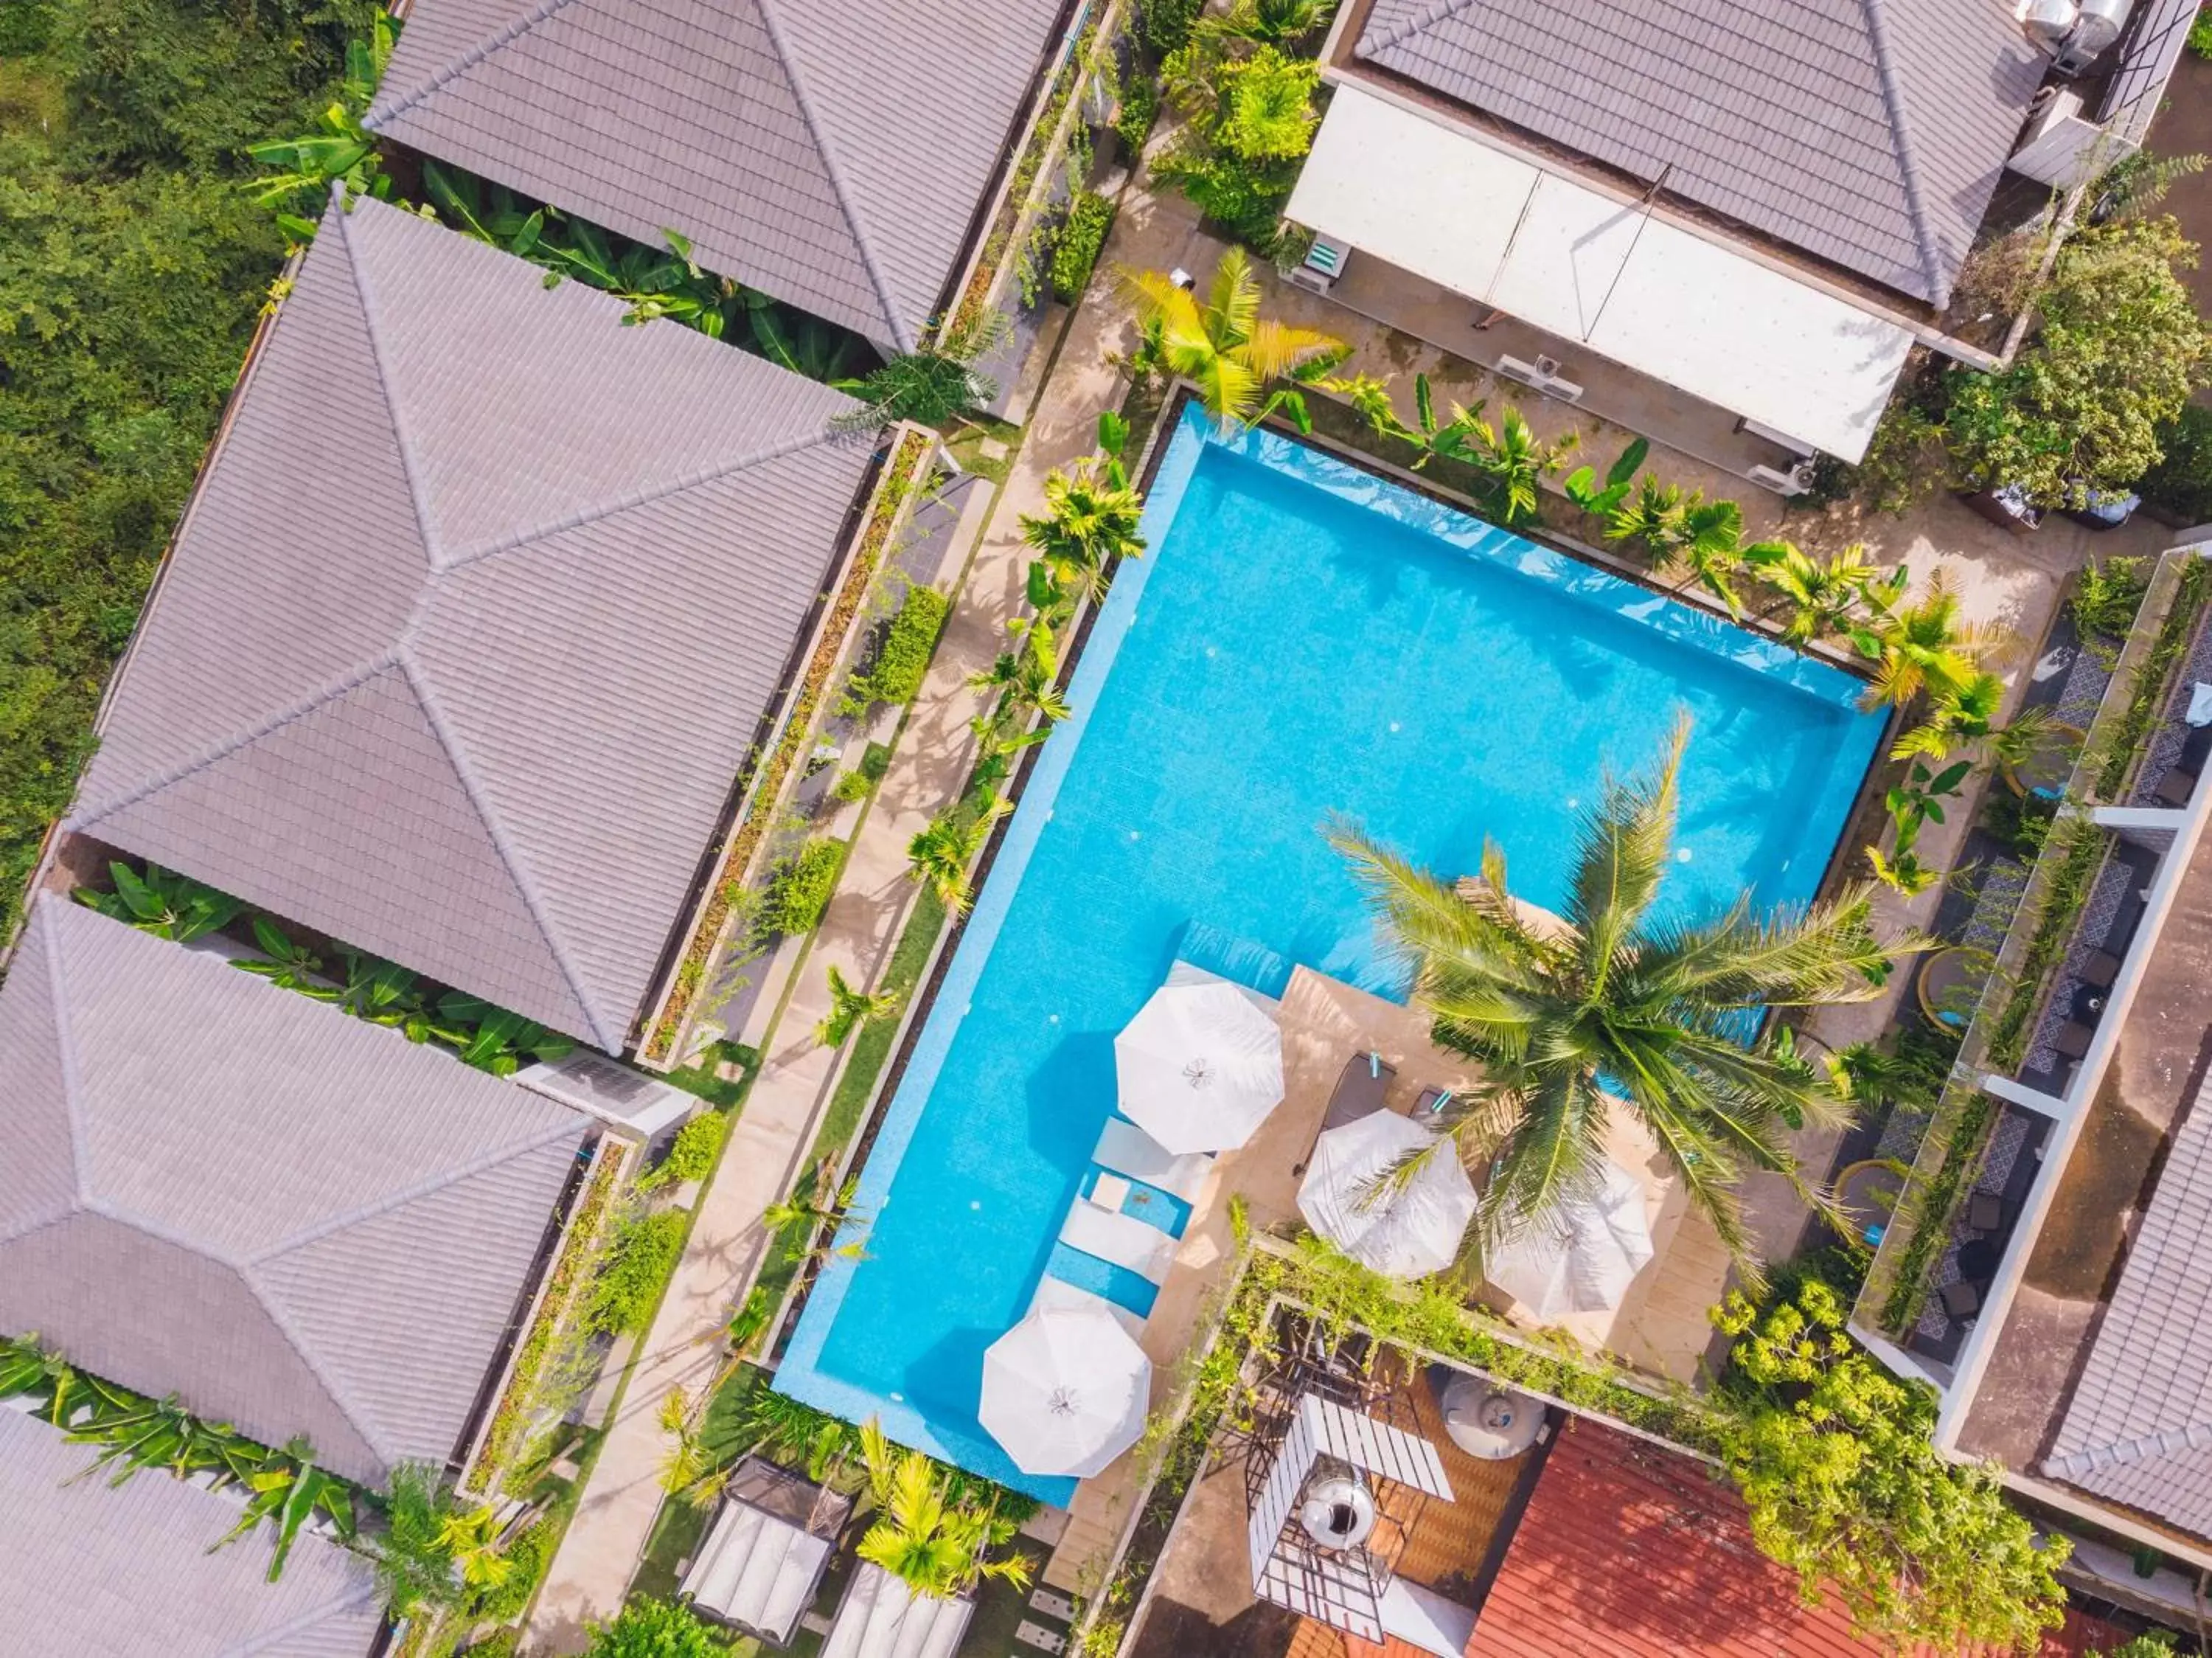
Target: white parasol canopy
1406	1232
1200	1066
1065	1391
1582	1259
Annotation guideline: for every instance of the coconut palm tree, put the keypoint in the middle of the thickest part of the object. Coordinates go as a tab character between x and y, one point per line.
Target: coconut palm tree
1236	357
941	854
1923	646
850	1007
1616	1008
932	1540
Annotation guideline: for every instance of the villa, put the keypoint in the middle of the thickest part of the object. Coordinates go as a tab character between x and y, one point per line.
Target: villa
478	696
1736	222
125	1571
840	155
297	1222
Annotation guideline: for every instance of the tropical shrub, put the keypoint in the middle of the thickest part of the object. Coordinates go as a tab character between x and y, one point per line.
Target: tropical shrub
162	902
935	386
902	658
1167	24
2104	603
1140	106
691	1153
1089	218
639	1258
929	1533
654	1629
851	1007
528	1557
940	855
2119	351
339	148
1836	1460
1249	118
2181	482
412	1558
799	890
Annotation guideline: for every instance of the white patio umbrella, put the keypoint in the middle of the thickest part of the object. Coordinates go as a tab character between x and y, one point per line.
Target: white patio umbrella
1406	1231
1065	1391
1583	1260
1200	1067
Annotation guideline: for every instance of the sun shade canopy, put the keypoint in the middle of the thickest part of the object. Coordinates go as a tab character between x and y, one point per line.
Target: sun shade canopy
296	1222
1422	195
1582	1259
1200	1066
474	621
1065	1391
1403	1230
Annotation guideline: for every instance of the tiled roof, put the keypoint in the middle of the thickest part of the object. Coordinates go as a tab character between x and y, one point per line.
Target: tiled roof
832	153
124	1571
298	1222
474	621
1869	133
1626	1550
2138	1429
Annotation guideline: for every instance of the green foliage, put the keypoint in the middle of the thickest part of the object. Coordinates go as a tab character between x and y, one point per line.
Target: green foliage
1089	216
162	902
132	263
639	1259
940	856
853	787
2120	349
1167	24
413	1560
2105	603
902	658
1140	107
935	386
800	887
2147	690
500	1643
339	150
1249	118
850	1007
654	1629
2079	845
2181	482
1245	366
1618	1001
929	1532
1835	1462
691	1153
1509	461
2200	42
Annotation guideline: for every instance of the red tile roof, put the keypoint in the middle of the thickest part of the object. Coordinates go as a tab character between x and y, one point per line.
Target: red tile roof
1629	1552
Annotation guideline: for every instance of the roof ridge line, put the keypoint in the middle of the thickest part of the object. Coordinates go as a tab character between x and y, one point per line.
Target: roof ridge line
457	756
1426	17
635	499
339	1396
72	1073
329	692
2121	1452
418	495
1908	166
901	335
380	112
428	1186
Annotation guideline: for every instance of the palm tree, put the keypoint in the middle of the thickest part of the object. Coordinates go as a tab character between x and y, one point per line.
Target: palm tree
1225	347
1090	520
1823	596
932	1540
414	1565
1704	538
1513	463
850	1007
689	1470
935	386
1923	646
1027	678
941	854
1615	999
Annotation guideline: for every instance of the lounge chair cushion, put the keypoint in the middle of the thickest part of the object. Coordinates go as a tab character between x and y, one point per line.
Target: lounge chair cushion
1359	1090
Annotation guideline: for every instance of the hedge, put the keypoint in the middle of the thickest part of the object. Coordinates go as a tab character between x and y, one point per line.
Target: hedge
799	890
1089	217
638	1262
904	658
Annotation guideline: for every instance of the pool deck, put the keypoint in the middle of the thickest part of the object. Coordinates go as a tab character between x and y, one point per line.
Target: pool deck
1662	1326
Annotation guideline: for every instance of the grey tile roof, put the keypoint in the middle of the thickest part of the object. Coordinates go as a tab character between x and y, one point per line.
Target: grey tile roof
1869	133
298	1222
123	1572
832	153
2138	1429
474	621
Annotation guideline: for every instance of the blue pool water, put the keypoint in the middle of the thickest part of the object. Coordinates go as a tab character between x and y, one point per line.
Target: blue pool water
1303	638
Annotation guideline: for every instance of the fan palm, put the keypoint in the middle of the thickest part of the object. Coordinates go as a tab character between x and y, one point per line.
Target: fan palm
1225	347
1090	520
923	1535
1618	1001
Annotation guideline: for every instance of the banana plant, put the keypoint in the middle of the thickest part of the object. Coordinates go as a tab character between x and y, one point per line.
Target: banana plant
163	902
385	993
492	1039
27	1368
289	1490
287	963
1580	485
339	148
135	1432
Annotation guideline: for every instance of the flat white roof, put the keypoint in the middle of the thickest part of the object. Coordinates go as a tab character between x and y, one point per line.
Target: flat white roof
1436	200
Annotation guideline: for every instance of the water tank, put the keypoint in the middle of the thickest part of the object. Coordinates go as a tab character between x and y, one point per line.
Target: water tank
2094	34
1337	1512
1490	1422
2048	22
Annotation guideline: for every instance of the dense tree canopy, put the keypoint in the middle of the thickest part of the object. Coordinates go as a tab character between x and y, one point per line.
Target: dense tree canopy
131	267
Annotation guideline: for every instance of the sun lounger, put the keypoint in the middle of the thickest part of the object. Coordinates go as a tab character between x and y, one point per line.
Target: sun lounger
1120	1239
1127	1150
1057	1294
1359	1090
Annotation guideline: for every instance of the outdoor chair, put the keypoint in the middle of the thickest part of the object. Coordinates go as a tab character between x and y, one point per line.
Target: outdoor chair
2073	1040
2175	788
1359	1090
2099	971
1961	1299
1986	1211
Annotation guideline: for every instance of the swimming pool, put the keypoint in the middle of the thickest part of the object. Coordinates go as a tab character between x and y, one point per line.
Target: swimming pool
1303	638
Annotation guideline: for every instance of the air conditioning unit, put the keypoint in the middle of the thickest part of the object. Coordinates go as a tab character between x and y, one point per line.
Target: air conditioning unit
1544	375
1324	263
1795	481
